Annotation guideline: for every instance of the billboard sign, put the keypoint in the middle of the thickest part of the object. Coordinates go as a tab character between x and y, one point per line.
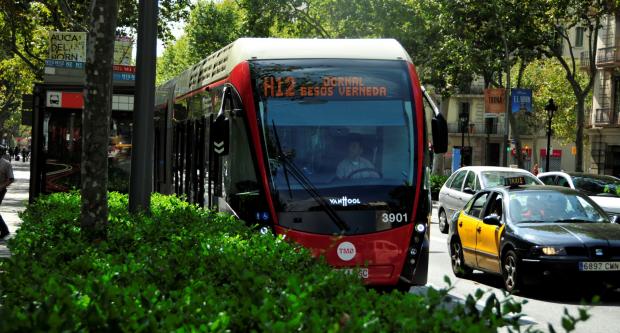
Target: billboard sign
122	50
69	46
521	100
494	100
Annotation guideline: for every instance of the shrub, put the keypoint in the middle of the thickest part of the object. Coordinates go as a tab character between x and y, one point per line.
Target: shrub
437	182
187	269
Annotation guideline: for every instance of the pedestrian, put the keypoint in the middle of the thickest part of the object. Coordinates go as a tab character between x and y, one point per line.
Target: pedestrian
16	153
24	155
535	169
6	178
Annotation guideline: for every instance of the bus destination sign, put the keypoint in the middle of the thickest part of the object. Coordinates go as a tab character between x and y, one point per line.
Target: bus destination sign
330	86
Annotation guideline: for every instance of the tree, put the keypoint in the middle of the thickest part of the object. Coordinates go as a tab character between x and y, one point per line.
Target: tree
547	79
564	15
23	31
96	118
15	80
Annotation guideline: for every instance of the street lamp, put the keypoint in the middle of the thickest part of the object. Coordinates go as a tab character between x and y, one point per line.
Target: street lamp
464	120
550	108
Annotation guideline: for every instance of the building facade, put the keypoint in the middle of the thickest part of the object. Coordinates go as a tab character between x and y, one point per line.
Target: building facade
603	118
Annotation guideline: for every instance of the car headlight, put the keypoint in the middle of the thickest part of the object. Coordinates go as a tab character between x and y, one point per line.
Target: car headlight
553	251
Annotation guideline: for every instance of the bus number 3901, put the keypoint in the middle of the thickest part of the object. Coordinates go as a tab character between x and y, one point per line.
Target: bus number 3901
394	217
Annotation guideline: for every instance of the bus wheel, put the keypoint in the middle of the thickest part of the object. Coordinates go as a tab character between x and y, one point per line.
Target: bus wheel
443	222
458	263
403	286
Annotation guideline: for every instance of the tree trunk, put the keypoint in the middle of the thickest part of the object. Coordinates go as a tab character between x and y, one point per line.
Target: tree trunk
439	159
96	119
517	137
579	139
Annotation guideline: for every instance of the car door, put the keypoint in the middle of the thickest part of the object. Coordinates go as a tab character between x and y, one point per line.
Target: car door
488	236
467	224
451	201
462	197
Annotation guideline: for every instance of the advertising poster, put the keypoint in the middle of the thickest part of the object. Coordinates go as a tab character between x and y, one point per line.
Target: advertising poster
68	46
494	100
521	100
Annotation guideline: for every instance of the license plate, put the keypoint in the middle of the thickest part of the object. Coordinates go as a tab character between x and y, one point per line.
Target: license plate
600	266
362	272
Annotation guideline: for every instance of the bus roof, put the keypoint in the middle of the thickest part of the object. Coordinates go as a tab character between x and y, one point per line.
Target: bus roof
219	64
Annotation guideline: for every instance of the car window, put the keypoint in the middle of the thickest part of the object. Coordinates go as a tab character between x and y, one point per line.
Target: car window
496	178
553	206
548	180
450	179
562	182
477	184
469	180
475	209
597	186
495	206
458	180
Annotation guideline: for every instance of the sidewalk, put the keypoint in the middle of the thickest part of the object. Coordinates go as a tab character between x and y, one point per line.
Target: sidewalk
15	201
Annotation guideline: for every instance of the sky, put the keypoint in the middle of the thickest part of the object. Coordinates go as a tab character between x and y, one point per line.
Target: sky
177	31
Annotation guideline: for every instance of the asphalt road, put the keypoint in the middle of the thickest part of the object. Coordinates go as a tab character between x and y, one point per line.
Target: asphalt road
545	304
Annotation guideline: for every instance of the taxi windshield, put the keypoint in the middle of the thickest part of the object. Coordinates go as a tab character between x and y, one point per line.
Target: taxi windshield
496	178
552	206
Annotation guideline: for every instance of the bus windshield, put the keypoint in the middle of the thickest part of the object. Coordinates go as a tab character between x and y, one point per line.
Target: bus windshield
343	129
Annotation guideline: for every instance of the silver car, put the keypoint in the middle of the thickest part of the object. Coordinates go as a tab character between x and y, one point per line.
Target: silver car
604	190
466	181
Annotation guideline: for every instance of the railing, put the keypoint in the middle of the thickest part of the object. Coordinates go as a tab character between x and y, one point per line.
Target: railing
474	89
607	56
604	116
476	128
584	60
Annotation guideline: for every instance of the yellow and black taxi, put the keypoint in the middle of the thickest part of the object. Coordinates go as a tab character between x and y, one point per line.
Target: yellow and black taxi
531	234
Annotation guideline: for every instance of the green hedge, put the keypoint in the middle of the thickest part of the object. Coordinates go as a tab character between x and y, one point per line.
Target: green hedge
186	269
437	182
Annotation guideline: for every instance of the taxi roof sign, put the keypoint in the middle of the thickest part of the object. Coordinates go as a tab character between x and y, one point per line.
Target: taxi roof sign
514	181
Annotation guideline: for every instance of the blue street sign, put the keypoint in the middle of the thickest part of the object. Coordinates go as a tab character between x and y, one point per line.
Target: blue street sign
456	158
521	100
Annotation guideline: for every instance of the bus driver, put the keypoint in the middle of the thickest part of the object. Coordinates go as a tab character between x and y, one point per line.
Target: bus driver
354	165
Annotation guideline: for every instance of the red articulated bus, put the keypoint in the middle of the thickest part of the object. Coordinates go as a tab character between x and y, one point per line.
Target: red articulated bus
321	140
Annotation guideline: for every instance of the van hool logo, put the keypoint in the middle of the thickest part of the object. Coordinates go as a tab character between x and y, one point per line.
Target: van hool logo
344	201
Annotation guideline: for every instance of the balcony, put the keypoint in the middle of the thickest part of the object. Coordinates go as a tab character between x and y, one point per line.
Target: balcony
473	89
477	129
584	60
603	117
607	57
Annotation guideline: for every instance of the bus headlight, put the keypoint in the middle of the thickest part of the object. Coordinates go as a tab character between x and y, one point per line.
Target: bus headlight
420	228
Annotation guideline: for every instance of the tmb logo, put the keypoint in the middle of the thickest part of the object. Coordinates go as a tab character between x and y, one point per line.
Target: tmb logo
346	251
344	201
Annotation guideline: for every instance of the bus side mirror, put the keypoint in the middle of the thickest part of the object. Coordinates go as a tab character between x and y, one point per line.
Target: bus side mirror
440	134
439	125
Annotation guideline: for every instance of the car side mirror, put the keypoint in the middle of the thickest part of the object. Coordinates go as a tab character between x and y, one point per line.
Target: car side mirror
469	190
615	219
492	219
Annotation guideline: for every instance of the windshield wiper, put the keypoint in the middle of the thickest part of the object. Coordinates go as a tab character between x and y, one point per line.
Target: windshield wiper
532	221
281	157
573	220
306	184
